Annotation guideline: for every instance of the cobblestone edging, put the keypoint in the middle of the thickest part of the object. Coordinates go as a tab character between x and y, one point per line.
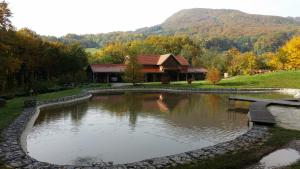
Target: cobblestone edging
199	90
13	149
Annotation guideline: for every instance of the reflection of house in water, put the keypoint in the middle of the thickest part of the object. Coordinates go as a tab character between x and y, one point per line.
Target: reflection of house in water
119	103
134	104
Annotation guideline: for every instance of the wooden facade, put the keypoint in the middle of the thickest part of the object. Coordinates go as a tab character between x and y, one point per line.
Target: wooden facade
155	67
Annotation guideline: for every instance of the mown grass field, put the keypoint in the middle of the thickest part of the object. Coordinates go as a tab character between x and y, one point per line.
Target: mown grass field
280	79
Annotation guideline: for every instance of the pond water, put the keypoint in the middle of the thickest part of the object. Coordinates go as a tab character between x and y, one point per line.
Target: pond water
133	126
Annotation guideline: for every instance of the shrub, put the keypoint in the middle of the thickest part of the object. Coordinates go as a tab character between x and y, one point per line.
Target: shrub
214	76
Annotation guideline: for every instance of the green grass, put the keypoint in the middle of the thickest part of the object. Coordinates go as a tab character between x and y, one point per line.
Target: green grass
279	138
280	79
14	106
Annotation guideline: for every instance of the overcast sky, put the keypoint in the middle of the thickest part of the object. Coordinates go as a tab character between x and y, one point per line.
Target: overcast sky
59	17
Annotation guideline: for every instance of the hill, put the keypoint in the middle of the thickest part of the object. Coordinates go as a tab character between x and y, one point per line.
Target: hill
200	22
217	22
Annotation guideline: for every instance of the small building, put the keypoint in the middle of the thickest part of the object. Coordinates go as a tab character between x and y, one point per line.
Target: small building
155	67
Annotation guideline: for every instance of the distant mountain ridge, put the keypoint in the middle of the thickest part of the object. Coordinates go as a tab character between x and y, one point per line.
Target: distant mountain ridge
206	23
225	22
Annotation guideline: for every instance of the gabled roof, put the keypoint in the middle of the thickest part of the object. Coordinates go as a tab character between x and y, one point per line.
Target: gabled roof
148	59
160	59
182	60
108	68
163	58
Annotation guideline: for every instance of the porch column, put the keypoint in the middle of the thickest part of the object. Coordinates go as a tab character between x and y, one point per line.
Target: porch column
93	77
145	78
177	76
186	76
107	78
154	77
193	76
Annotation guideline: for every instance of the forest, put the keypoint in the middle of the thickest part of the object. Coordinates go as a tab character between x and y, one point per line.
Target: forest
280	52
29	62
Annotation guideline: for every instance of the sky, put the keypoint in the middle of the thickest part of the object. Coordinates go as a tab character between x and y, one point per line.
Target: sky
60	17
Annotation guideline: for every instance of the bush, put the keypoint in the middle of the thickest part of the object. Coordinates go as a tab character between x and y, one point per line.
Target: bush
214	76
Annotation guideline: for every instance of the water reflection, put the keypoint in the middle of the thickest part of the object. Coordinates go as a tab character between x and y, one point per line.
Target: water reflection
132	126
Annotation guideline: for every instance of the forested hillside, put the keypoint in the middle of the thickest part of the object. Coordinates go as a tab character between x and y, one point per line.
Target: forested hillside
230	27
229	23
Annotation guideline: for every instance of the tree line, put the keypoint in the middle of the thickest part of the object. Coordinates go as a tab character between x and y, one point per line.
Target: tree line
279	53
29	62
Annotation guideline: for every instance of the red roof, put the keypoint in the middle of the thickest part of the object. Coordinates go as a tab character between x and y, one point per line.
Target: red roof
156	59
148	59
111	68
182	60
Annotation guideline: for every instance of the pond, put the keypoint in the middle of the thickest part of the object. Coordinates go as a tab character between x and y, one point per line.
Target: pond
132	126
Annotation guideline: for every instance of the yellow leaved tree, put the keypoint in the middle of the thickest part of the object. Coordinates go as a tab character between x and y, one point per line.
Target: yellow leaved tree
292	51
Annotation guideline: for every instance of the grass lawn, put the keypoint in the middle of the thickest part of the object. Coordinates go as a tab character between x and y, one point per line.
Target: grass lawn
280	79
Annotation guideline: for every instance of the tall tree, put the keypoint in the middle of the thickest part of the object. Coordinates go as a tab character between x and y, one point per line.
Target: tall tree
292	51
5	14
133	72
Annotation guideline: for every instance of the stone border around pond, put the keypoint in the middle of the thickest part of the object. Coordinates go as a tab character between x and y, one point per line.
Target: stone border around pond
13	148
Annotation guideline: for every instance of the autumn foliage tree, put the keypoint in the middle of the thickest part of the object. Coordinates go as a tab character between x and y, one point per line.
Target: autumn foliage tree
5	14
214	76
291	51
27	60
133	72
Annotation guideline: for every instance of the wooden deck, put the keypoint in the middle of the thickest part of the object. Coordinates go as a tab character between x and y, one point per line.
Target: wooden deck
258	110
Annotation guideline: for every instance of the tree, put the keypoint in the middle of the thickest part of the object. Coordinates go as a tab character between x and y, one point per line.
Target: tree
133	72
117	51
291	53
249	62
214	76
5	14
234	60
